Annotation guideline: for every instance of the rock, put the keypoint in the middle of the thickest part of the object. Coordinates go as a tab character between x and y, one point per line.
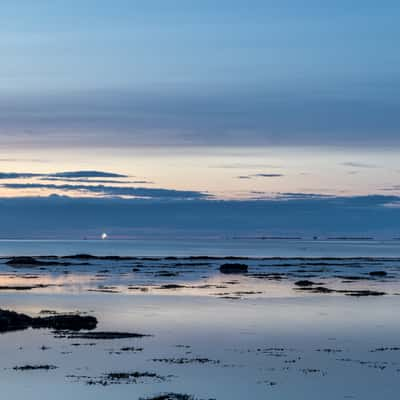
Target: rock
304	283
66	322
378	273
25	261
166	274
185	360
132	375
171	286
169	396
233	268
35	367
273	276
316	289
12	321
347	292
104	335
362	293
81	257
116	378
26	287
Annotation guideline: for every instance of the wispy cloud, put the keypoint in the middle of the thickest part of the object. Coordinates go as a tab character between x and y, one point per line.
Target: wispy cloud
17	160
92	183
245	166
267	175
94	180
355	164
86	174
65	174
393	188
303	196
18	175
260	175
238	117
113	191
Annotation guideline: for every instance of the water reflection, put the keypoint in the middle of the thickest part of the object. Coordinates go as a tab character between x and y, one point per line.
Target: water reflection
271	341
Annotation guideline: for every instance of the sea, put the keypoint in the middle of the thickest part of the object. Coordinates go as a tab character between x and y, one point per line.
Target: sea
204	246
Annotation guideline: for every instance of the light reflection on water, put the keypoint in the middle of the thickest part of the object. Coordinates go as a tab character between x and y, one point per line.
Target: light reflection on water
237	332
229	331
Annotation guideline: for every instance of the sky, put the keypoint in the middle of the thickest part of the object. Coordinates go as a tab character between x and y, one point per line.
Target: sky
200	101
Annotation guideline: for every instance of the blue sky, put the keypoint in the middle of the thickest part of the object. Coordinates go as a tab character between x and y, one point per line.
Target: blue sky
202	101
272	72
289	45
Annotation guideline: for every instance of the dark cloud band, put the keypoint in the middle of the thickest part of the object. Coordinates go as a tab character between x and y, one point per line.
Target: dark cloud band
113	191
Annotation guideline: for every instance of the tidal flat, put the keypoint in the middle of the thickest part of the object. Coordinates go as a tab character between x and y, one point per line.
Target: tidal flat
185	328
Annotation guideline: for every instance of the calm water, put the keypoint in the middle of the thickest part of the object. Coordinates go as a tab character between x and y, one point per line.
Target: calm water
264	338
210	247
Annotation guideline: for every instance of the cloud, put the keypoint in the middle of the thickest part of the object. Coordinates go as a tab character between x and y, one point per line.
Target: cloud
30	160
393	188
244	166
86	174
114	191
90	180
303	196
267	175
66	174
289	196
261	175
240	116
18	175
358	165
